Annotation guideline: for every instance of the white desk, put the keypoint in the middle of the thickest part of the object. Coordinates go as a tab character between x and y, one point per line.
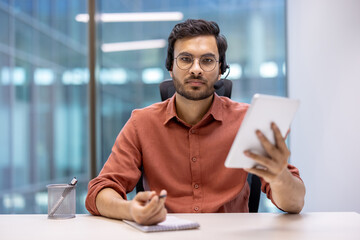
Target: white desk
212	226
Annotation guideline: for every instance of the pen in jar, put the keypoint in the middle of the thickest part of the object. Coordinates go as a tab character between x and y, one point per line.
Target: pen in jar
67	190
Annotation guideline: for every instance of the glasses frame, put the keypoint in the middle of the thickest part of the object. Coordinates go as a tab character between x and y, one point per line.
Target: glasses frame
193	59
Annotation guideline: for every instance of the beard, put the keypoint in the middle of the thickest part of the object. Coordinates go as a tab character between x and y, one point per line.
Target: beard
195	93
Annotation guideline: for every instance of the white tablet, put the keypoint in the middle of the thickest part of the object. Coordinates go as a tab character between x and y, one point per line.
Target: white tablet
263	110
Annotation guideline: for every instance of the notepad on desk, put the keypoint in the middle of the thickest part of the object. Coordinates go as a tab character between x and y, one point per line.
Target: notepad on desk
171	223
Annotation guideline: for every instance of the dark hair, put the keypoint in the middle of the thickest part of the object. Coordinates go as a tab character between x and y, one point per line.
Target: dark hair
193	28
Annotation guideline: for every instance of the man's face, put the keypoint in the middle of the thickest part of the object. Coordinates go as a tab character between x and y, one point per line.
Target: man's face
195	83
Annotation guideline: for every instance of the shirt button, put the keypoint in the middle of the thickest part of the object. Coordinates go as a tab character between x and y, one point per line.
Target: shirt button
196	186
196	208
194	159
193	131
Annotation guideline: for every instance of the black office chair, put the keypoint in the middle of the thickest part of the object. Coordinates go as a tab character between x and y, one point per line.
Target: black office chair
222	88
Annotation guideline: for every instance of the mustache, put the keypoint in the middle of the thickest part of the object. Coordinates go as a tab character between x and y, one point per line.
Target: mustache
193	77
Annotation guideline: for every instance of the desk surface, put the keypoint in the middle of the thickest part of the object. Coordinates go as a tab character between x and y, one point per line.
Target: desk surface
328	225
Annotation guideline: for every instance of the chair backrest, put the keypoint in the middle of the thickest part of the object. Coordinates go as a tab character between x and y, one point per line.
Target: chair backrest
255	191
222	88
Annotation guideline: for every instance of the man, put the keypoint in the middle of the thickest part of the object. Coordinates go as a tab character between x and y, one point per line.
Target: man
182	144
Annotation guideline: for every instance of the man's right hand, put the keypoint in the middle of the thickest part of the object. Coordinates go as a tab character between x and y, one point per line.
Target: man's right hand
147	208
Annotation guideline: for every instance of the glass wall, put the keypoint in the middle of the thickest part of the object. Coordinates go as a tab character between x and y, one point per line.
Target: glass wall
129	76
43	101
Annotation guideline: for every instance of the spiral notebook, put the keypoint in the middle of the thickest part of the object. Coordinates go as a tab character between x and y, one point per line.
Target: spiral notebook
171	223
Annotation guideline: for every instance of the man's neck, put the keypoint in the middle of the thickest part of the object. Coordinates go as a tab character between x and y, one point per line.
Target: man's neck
191	111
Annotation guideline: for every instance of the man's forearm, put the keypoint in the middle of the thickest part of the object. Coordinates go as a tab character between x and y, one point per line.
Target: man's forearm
289	193
110	204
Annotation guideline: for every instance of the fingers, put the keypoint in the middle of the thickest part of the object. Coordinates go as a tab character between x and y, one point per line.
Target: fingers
262	160
270	148
260	172
147	208
277	150
154	206
157	217
277	154
279	140
144	196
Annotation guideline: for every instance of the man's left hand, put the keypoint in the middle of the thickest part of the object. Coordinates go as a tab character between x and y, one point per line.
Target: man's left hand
275	163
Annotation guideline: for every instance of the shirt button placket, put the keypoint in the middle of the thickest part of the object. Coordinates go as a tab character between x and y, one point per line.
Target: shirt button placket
195	169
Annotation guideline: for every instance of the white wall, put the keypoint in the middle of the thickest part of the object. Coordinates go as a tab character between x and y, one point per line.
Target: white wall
324	73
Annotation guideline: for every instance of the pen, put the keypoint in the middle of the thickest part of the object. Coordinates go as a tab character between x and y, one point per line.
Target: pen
63	195
160	197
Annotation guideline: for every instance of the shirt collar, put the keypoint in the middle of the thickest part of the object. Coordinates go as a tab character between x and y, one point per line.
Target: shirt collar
215	110
170	110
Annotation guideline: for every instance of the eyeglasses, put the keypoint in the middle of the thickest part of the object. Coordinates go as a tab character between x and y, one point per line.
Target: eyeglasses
185	61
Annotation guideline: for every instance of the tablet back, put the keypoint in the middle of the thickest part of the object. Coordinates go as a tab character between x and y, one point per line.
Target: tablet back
263	110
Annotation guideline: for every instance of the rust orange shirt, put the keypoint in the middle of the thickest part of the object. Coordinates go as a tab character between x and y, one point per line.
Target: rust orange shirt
187	161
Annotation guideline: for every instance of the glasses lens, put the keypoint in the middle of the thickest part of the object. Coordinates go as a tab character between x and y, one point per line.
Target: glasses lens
184	62
207	63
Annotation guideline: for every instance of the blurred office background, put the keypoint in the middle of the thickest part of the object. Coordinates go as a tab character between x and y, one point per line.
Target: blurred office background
44	78
44	81
43	101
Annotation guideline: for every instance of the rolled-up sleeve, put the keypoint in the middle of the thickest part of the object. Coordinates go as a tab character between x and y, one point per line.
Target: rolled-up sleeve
121	171
265	187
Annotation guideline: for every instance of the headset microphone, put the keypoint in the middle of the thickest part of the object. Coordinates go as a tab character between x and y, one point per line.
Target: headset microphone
220	83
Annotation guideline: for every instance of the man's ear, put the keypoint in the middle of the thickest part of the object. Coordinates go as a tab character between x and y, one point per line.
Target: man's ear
171	75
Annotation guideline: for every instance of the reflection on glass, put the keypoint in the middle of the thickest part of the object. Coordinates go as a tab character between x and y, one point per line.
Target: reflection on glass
43	102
